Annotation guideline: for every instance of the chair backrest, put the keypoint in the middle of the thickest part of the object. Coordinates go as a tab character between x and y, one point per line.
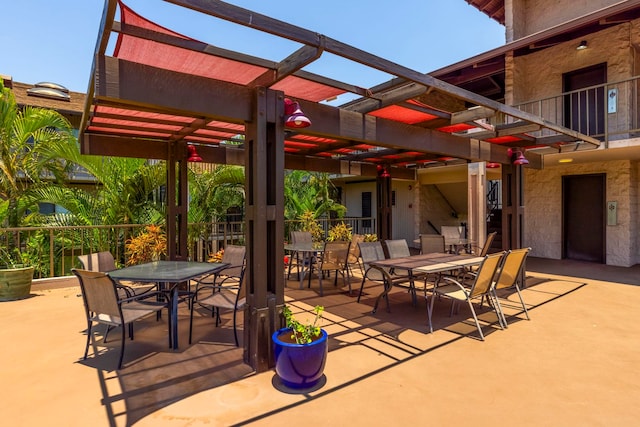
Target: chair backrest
369	252
397	248
451	232
301	237
485	274
511	268
354	248
99	294
335	254
234	256
98	261
488	243
431	243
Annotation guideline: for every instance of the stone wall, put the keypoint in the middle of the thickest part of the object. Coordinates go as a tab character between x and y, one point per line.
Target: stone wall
540	75
525	17
543	209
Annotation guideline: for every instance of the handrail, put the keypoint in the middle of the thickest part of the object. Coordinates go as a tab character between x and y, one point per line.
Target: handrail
607	111
54	250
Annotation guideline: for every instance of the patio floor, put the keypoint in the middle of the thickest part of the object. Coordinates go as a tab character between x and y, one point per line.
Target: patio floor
576	362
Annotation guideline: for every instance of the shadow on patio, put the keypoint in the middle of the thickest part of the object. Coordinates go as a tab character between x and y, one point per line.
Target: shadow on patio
578	345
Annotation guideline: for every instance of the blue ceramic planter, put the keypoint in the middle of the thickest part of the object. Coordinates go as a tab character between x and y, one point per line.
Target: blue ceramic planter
299	365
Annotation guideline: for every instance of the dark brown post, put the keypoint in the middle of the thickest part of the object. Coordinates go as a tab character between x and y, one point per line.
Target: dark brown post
383	210
512	207
177	201
264	186
513	211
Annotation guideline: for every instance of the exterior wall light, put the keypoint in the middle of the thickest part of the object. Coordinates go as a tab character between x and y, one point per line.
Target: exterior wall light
193	154
517	157
294	117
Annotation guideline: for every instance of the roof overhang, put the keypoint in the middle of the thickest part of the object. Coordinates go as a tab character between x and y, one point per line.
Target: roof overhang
160	86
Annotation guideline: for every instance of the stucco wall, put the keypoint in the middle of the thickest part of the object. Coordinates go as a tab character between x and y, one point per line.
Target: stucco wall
404	213
543	209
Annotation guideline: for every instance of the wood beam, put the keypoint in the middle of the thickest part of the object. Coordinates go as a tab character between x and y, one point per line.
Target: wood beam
269	25
471	114
516	128
302	57
182	94
135	85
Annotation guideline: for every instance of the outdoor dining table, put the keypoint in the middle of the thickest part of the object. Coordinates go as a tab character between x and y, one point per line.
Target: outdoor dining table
168	274
430	263
308	251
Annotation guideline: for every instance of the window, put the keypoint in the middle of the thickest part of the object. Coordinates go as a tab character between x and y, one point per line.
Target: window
366	208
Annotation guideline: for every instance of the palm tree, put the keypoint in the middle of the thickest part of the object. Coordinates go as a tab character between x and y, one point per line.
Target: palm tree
126	192
29	139
213	193
309	192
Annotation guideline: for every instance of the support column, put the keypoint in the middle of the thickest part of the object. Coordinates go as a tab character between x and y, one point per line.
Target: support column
264	224
512	207
177	201
477	203
383	201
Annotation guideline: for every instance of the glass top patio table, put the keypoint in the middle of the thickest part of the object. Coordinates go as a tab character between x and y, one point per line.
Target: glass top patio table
308	251
170	273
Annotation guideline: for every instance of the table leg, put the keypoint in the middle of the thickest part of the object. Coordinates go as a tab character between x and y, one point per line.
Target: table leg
302	270
174	316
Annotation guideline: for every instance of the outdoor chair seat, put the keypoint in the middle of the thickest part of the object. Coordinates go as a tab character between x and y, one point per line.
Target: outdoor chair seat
481	286
222	290
508	277
104	262
371	252
103	305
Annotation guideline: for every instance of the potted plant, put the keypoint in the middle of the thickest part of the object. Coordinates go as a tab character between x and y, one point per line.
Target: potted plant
15	276
300	350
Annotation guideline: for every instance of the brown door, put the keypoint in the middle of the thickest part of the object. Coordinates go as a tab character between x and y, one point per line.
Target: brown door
584	107
583	198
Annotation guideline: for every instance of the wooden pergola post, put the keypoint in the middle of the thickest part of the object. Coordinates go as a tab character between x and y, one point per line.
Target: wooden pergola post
383	209
177	201
264	186
512	207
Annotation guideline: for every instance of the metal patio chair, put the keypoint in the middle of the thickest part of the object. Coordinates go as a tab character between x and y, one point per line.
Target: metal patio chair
222	290
103	305
481	285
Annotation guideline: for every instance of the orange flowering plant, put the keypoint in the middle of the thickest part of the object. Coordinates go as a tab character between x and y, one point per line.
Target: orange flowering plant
147	246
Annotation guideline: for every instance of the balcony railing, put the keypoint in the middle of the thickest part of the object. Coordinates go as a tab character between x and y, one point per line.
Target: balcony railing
608	111
53	251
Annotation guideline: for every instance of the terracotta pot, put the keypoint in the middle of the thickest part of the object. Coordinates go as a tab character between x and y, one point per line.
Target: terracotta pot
15	283
299	365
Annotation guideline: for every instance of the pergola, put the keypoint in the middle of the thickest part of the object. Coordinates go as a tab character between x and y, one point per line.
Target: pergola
162	91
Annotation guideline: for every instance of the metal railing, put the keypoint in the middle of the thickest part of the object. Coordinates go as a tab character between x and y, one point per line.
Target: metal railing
608	111
53	251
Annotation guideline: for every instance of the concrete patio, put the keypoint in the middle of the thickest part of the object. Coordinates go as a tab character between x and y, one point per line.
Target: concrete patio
575	363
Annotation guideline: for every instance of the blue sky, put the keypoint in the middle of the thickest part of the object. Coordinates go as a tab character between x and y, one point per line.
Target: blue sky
45	40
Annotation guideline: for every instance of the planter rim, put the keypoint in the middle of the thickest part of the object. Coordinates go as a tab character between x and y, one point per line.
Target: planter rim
276	334
16	268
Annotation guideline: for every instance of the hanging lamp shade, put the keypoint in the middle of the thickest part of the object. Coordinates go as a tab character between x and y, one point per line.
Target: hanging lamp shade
521	159
193	154
294	117
517	157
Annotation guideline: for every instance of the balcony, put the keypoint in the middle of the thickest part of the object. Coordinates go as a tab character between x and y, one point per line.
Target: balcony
608	112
